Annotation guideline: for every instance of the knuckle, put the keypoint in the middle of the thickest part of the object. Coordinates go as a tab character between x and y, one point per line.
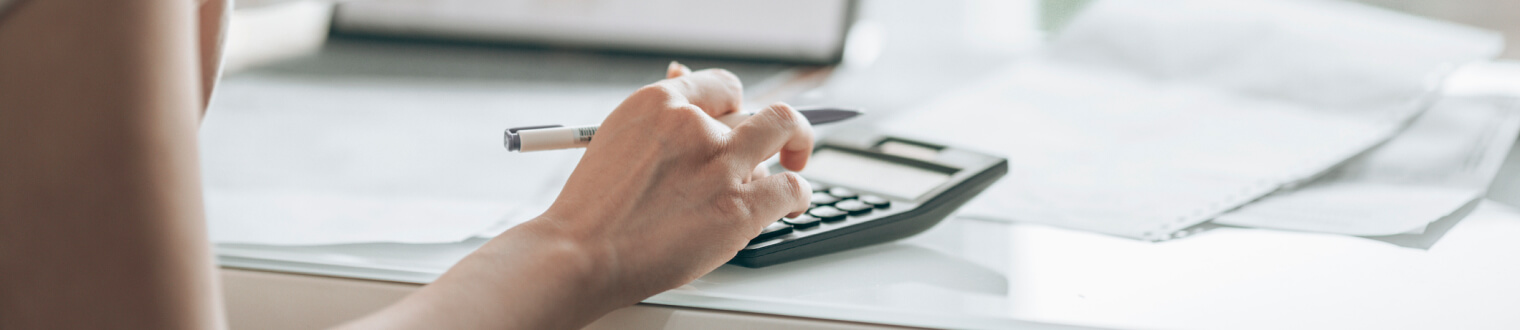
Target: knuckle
688	112
725	75
727	79
735	87
687	118
655	91
733	203
785	116
688	126
796	185
730	79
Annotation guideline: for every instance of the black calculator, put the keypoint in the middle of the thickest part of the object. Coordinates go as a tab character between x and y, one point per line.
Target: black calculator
869	189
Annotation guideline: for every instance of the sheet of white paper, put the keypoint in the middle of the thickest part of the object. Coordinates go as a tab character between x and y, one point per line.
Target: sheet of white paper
1329	54
1148	117
306	218
1444	160
1140	159
317	159
416	126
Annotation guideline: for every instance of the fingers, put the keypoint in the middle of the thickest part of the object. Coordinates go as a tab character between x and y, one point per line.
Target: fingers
777	127
676	70
784	194
760	172
716	91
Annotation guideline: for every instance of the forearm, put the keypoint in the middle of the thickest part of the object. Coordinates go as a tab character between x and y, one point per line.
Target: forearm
534	276
672	197
100	216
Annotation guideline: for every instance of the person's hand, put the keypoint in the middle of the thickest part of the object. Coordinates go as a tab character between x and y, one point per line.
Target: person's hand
664	194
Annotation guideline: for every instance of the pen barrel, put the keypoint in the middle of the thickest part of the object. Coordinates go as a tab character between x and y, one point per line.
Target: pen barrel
555	138
552	137
540	139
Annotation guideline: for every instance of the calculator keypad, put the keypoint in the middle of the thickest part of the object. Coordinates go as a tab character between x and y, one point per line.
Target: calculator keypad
777	228
842	193
817	187
827	213
823	199
802	221
832	207
853	207
876	201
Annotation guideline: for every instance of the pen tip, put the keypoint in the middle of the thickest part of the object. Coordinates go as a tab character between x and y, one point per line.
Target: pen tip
817	116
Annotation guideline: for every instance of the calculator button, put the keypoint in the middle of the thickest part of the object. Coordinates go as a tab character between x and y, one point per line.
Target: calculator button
802	221
842	193
817	187
854	207
876	201
827	213
823	199
777	228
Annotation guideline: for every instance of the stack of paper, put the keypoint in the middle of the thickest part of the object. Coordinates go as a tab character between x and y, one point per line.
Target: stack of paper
372	141
1444	161
1145	118
295	159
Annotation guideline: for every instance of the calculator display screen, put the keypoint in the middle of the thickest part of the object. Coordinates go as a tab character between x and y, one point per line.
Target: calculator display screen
871	174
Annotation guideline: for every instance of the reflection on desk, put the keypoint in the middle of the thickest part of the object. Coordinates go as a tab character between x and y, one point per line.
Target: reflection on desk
969	273
977	274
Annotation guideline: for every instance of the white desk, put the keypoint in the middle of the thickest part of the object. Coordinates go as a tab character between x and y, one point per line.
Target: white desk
979	274
969	273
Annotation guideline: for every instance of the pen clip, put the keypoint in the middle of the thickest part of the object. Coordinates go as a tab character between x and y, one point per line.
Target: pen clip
515	129
514	143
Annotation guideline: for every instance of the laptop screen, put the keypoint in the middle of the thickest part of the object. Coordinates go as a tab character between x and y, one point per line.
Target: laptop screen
809	31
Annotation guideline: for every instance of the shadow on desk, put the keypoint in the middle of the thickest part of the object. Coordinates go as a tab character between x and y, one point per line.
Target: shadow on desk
863	268
1423	240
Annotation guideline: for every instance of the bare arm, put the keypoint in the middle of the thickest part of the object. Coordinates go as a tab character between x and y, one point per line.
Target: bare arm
100	215
663	195
101	221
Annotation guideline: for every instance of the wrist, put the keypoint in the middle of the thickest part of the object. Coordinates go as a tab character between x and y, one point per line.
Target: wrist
535	276
548	270
578	260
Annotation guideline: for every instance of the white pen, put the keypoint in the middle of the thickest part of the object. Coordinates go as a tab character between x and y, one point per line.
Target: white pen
551	137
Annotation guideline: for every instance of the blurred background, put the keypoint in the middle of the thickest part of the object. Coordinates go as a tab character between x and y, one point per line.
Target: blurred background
393	109
364	139
282	28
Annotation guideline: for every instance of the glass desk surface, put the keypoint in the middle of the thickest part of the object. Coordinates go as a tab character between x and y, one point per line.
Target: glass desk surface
969	273
972	273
